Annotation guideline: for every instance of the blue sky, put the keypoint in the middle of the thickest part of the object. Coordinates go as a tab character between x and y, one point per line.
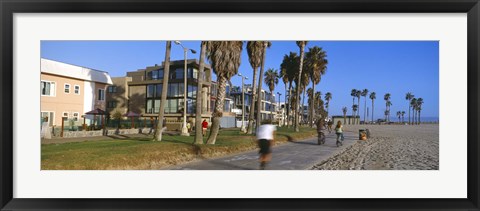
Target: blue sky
396	67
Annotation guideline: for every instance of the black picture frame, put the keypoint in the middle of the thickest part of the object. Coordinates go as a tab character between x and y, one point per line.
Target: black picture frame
9	7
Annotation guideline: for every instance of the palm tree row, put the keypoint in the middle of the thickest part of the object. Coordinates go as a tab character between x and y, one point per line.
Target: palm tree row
225	58
416	105
300	71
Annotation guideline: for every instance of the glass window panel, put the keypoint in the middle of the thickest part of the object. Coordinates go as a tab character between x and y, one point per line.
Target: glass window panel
158	91
67	88
150	90
180	90
154	75
149	75
195	73
160	74
191	106
179	73
149	106
157	106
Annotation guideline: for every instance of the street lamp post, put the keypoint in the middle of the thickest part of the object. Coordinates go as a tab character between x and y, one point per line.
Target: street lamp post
184	127
279	97
243	103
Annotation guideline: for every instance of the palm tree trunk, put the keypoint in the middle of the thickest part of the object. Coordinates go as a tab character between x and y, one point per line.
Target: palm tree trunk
419	117
284	105
303	103
289	103
218	112
302	52
372	110
365	111
312	105
161	113
199	110
353	112
409	108
260	77
251	114
358	121
271	107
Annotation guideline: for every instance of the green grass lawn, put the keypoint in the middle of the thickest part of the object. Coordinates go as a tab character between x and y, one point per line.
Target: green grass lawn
142	153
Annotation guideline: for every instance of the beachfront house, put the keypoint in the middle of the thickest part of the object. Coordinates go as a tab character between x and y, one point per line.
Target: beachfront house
68	91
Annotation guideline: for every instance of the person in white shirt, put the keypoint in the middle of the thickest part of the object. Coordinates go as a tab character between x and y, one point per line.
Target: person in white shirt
265	140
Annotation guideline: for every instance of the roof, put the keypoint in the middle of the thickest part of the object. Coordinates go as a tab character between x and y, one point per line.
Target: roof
73	71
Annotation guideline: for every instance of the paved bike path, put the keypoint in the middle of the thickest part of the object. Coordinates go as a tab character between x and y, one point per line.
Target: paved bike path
298	155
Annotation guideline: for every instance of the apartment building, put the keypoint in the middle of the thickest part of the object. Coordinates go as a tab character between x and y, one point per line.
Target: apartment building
140	91
268	108
68	91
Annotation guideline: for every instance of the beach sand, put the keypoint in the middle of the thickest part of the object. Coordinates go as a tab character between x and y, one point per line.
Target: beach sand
390	147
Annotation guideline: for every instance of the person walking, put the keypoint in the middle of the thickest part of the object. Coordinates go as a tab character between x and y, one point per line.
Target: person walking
204	127
265	141
339	132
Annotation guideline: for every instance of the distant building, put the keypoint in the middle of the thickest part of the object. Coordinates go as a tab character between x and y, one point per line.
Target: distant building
268	108
68	91
348	120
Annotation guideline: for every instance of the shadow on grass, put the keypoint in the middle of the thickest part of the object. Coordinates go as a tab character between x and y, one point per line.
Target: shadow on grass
195	149
292	140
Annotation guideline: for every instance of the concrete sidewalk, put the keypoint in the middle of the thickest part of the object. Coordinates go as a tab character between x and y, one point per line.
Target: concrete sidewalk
298	155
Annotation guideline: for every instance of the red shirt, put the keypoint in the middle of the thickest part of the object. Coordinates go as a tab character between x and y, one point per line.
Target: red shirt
205	124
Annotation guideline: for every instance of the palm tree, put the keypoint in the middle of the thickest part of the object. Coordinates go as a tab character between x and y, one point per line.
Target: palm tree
419	108
403	119
224	57
344	110
373	96
199	110
353	93
305	82
301	45
358	94
388	103
364	94
166	73
328	97
316	65
283	75
310	100
254	50
289	66
387	113
386	97
399	115
413	104
271	79
409	97
266	44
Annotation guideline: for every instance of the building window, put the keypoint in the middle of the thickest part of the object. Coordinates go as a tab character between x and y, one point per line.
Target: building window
47	88
158	91
177	74
67	88
192	91
101	94
75	116
112	89
77	89
112	104
150	90
65	116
